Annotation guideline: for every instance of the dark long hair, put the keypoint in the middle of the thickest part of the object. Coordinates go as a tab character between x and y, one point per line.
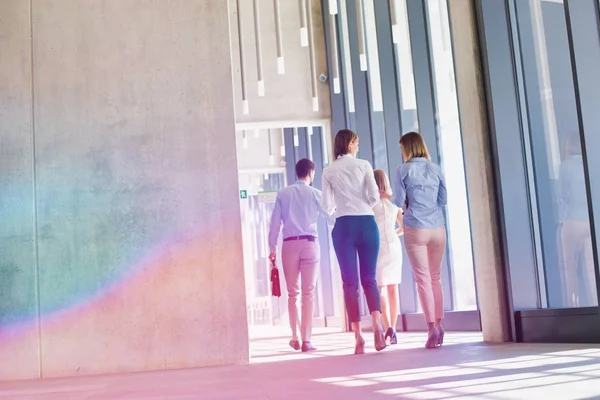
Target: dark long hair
342	140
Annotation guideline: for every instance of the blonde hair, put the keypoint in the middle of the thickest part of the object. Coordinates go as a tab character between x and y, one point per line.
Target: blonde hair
413	146
382	180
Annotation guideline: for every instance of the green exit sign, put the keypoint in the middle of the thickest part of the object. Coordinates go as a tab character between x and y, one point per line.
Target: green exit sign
243	194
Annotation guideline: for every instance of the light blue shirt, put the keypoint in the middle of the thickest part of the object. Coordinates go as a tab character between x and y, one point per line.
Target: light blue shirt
298	207
421	192
572	195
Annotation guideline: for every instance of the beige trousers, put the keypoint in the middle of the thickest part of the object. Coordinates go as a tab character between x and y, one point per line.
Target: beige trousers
425	249
300	267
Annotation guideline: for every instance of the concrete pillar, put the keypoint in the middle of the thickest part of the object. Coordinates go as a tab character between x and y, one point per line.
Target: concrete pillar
17	256
485	226
128	173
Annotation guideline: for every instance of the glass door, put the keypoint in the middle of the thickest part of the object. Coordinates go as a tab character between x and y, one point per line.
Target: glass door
256	204
267	154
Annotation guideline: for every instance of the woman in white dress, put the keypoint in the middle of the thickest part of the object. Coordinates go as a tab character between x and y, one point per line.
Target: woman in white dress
389	262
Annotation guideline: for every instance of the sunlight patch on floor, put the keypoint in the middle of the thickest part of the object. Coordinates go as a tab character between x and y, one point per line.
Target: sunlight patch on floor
328	343
509	378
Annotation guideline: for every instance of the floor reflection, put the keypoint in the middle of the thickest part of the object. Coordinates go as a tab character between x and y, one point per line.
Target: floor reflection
464	368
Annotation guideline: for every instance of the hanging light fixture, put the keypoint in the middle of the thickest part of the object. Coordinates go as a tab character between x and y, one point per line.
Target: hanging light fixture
347	60
333	7
361	35
313	67
278	38
325	131
245	107
394	21
282	143
271	158
296	140
374	81
303	26
309	135
334	53
244	140
258	43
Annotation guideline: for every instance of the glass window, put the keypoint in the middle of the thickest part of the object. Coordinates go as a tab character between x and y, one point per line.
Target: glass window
425	101
404	62
458	272
558	187
407	102
450	145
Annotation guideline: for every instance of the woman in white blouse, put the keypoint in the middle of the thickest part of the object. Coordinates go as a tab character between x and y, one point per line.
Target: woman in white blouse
349	188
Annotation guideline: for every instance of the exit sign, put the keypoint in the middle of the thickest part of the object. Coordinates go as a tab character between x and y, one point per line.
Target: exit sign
243	194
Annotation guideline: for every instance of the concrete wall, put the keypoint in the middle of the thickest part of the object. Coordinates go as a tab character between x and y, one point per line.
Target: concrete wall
18	295
287	97
118	165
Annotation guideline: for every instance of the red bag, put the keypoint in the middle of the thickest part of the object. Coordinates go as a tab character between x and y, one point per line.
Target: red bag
275	283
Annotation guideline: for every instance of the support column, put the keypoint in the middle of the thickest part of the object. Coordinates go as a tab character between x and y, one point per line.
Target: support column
487	254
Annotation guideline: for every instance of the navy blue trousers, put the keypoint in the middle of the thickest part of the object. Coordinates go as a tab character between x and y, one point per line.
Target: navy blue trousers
352	236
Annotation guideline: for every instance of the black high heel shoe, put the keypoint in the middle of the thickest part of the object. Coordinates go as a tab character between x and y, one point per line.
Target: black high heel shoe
393	338
390	333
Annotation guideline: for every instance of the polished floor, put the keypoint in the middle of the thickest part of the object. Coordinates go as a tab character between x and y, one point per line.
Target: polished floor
463	368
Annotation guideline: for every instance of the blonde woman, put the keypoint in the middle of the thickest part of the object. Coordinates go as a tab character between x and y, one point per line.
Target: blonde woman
389	261
420	190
